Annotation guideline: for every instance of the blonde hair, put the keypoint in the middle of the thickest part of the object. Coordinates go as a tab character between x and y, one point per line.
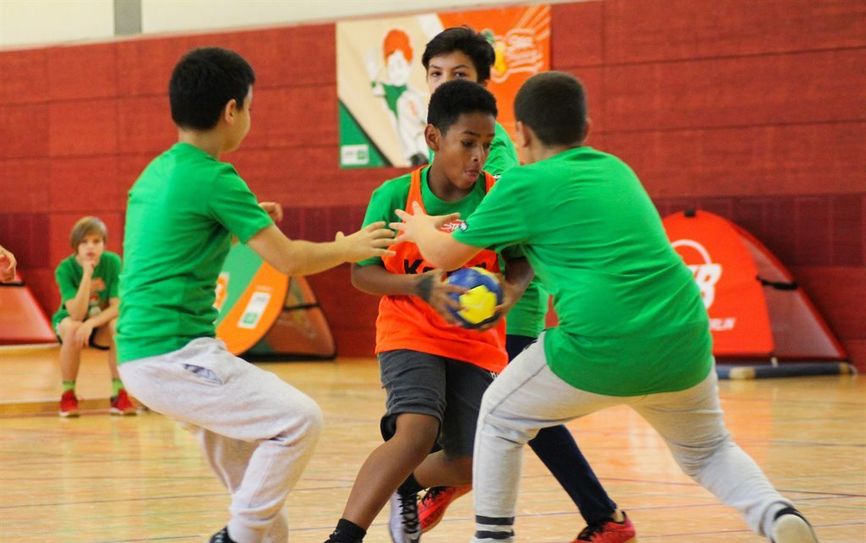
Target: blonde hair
84	227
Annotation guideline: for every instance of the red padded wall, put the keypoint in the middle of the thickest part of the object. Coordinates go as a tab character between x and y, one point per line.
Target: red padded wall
751	110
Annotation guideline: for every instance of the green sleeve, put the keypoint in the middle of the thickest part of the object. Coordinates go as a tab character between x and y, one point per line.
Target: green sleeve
66	281
112	278
234	206
503	155
391	195
497	223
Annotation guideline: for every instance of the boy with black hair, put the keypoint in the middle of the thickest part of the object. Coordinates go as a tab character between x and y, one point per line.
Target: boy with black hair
632	330
433	371
256	431
462	53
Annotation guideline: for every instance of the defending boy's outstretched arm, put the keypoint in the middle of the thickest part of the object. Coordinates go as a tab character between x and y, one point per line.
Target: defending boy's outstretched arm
438	247
7	265
298	257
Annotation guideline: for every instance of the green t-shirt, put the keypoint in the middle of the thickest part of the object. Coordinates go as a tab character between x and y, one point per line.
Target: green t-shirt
180	216
631	319
103	284
392	195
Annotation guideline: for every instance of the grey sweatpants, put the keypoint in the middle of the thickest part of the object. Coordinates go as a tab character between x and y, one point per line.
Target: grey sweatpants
527	396
256	431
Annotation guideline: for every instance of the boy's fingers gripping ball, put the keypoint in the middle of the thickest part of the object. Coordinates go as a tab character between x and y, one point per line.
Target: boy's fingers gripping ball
478	305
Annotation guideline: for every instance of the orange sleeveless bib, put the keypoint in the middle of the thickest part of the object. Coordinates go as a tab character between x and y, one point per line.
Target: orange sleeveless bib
408	322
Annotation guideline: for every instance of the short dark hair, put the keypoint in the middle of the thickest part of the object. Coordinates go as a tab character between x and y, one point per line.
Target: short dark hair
203	82
465	40
452	99
553	105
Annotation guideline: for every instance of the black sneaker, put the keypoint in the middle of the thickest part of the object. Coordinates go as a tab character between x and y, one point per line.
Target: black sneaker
791	526
222	537
403	522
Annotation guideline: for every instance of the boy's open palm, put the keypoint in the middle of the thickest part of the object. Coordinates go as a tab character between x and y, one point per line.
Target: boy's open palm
7	265
372	240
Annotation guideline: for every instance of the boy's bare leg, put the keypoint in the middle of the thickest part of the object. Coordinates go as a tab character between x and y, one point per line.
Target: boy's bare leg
440	470
70	354
105	336
389	465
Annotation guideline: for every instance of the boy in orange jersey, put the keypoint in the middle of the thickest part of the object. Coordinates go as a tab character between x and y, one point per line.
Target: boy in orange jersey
434	372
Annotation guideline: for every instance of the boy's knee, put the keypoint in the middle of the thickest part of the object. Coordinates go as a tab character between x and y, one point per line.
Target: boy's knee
68	328
309	418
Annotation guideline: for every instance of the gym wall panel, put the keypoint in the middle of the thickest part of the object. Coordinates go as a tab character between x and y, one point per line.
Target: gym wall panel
142	126
24	185
577	35
848	219
82	72
144	65
771	89
296	116
25	130
25	77
780	159
82	127
85	185
838	292
689	29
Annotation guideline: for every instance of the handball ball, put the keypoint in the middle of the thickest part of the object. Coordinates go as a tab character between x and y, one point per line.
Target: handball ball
478	305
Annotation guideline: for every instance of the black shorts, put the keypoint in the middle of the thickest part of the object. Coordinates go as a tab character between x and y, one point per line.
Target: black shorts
90	341
447	389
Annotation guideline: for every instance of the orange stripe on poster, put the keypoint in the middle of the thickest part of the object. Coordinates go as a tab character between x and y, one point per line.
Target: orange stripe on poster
255	311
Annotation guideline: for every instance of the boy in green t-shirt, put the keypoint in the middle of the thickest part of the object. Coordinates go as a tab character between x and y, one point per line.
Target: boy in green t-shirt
462	53
632	327
87	316
257	431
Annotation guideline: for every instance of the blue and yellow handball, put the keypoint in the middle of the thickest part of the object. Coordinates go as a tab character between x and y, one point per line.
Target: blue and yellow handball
478	304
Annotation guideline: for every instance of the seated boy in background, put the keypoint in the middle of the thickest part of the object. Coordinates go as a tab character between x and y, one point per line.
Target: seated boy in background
87	316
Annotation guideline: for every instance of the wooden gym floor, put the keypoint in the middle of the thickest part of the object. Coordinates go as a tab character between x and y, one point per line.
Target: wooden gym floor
101	479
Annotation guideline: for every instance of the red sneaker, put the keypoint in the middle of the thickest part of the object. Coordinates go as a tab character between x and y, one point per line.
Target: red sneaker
122	405
609	531
68	404
433	504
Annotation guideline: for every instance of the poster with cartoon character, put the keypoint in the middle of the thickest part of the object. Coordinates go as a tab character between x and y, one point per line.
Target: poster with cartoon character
382	88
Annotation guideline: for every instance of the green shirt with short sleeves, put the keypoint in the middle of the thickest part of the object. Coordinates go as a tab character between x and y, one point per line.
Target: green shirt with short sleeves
181	214
631	319
526	317
103	284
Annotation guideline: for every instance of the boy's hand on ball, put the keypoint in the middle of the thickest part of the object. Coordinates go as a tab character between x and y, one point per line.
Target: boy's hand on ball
433	289
372	240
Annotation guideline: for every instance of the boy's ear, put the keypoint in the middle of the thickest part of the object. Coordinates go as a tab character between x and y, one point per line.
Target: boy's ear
587	130
524	135
433	137
230	110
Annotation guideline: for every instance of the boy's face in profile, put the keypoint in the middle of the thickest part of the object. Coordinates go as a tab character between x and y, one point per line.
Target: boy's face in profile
240	127
450	66
463	148
90	249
